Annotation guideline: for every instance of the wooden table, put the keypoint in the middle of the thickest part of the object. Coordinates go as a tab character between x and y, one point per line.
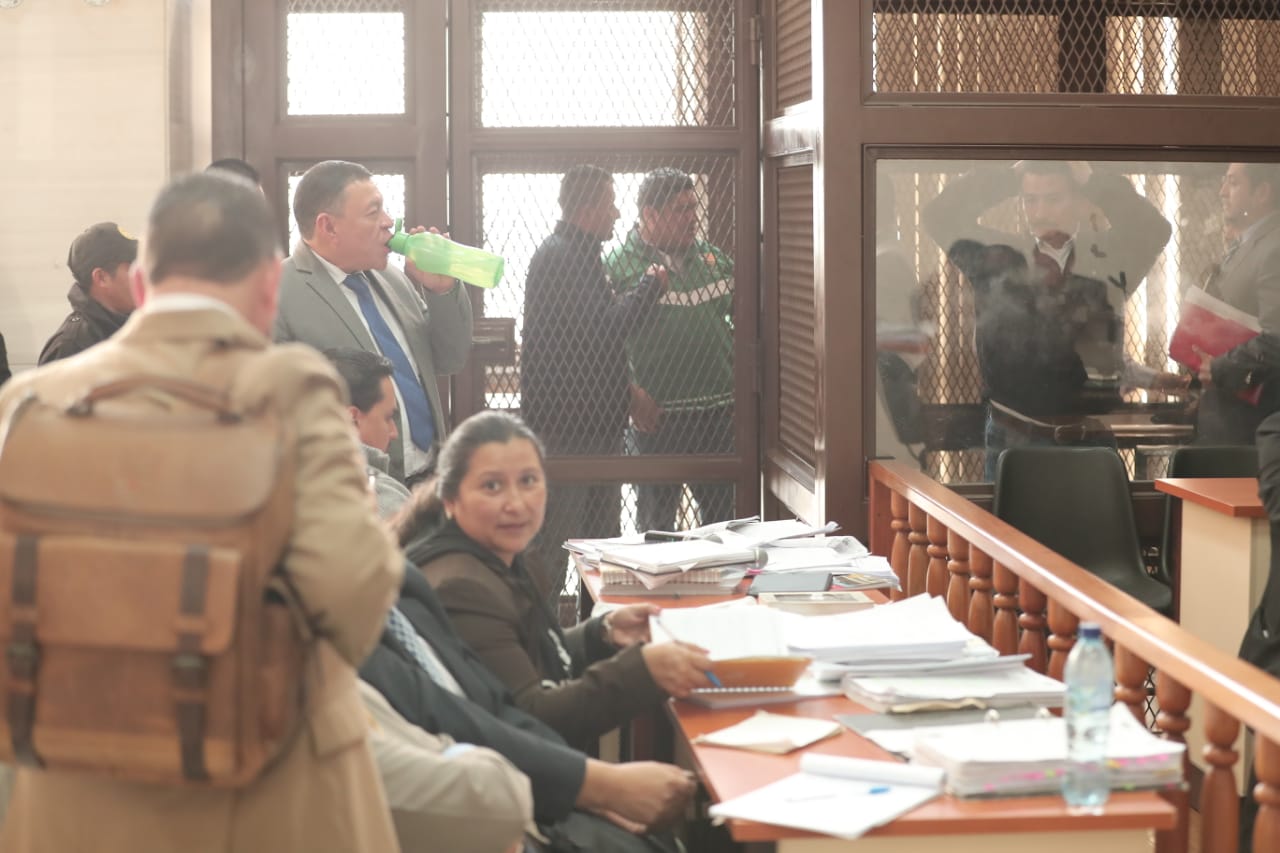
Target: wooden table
1040	824
1224	556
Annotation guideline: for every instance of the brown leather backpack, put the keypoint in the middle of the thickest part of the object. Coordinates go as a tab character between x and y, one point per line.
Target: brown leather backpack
145	629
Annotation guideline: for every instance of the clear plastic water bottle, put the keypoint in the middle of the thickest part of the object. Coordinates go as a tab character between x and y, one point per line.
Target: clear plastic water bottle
1090	688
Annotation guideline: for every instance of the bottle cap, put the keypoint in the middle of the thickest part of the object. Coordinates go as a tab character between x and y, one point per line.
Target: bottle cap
398	237
1090	630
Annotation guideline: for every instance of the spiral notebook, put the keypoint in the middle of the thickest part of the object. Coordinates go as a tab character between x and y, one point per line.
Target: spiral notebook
807	687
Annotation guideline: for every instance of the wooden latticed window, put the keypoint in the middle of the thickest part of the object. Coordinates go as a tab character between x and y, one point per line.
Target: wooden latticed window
1191	47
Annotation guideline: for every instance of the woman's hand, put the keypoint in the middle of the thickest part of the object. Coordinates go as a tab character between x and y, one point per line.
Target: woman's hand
629	625
677	668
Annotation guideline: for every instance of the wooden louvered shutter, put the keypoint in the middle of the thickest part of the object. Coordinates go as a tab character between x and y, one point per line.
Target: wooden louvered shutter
794	58
797	364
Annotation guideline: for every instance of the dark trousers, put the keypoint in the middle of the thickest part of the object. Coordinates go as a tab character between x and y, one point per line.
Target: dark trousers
701	432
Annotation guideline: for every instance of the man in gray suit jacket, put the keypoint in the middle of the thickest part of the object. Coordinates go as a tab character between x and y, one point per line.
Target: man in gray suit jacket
1248	279
337	291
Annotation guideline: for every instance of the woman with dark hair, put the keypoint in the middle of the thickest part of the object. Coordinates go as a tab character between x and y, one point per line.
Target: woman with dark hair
467	530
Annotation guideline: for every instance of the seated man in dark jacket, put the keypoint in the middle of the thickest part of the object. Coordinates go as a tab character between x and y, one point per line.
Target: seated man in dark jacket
471	706
100	297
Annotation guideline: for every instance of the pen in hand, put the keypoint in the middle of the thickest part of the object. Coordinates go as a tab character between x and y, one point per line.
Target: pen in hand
711	676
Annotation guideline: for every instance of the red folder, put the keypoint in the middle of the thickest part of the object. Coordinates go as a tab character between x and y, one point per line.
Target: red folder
1213	326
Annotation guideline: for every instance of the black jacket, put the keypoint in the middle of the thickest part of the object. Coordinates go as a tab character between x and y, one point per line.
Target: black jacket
1029	333
488	719
88	323
573	368
1261	643
1225	417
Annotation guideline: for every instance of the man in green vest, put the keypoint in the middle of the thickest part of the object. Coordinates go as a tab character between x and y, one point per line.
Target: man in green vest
681	356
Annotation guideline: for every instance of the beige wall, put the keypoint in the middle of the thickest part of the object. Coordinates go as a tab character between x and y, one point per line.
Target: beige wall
87	133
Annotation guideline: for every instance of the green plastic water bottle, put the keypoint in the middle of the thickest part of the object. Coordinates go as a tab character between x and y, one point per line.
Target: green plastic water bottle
434	253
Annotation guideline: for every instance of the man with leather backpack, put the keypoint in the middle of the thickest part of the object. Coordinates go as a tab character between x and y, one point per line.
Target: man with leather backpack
186	610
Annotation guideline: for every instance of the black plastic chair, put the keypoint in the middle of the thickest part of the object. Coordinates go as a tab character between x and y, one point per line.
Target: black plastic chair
1076	501
1228	460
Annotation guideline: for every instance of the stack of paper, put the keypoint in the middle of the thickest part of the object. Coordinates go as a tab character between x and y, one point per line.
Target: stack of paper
658	559
897	732
915	629
978	656
1001	688
661	558
844	797
1030	756
721	580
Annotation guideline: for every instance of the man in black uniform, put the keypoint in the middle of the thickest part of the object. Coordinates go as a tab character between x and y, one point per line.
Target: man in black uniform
100	298
574	387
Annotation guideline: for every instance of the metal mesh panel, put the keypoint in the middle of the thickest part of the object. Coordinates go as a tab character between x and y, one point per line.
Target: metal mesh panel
1185	194
345	58
518	211
607	63
1194	47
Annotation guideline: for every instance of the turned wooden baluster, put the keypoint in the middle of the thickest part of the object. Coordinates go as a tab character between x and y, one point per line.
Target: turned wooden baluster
1266	830
1004	634
1174	700
936	578
1032	622
918	558
1219	803
958	583
901	547
980	607
1062	638
1131	682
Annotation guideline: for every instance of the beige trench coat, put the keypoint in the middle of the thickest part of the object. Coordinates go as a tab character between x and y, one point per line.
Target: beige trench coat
324	794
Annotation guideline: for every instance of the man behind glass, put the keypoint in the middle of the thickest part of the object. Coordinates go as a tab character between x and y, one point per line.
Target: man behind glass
1049	303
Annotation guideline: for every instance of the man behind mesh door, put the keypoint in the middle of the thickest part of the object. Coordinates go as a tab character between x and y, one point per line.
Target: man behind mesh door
681	356
573	370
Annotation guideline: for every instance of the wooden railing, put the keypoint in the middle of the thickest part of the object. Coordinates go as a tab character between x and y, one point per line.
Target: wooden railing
1023	597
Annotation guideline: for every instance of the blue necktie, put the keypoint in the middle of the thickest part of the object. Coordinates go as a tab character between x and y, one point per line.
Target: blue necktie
422	426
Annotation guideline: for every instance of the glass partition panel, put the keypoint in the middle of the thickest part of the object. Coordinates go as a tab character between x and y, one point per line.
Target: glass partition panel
1036	302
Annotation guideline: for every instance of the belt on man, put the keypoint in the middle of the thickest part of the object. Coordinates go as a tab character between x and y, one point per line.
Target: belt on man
1060	429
